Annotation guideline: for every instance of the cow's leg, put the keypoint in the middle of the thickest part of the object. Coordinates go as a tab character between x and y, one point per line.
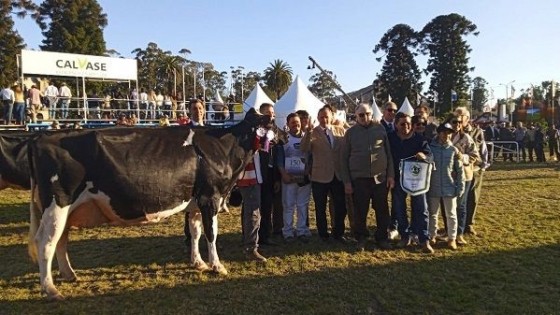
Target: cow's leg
64	266
52	227
213	258
195	228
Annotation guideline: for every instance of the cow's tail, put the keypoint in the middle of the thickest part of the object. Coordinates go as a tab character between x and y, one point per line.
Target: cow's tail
35	220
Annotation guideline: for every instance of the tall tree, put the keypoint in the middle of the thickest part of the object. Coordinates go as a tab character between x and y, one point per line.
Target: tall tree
322	86
73	26
479	94
400	76
148	65
442	40
11	43
278	77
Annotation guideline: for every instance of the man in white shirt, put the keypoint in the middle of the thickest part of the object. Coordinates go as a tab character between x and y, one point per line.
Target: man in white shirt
8	97
51	93
65	96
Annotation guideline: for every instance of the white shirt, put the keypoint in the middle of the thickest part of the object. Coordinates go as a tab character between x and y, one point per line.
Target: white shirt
65	92
51	91
7	94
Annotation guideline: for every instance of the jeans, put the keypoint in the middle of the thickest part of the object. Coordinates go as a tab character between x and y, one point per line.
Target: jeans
52	107
521	145
462	209
8	108
64	105
320	192
19	112
419	213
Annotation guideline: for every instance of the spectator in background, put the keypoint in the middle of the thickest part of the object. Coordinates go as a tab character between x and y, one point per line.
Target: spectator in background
106	113
51	93
19	105
388	119
424	111
552	134
368	174
419	126
519	136
539	143
35	101
143	104
8	98
530	140
152	104
182	120
159	104
505	134
55	125
65	98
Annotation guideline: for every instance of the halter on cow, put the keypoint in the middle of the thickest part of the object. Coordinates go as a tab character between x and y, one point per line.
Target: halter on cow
132	176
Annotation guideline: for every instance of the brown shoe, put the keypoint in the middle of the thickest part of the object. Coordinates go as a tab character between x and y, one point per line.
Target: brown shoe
461	240
253	254
452	244
471	231
427	248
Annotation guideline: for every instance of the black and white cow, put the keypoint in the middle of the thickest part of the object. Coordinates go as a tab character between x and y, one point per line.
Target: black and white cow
14	165
132	176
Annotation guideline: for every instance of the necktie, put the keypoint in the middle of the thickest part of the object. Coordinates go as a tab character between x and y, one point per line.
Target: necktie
328	138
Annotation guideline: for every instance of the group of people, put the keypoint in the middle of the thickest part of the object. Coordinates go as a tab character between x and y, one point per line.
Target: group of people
530	140
357	168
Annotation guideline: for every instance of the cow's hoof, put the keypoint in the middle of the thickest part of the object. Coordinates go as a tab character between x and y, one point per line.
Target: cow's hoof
69	277
200	266
53	295
220	269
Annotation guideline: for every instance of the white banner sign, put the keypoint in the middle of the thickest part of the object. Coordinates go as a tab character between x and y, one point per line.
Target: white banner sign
75	65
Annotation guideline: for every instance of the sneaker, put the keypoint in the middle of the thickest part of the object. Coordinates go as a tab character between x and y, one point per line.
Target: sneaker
452	244
253	254
427	248
393	235
461	240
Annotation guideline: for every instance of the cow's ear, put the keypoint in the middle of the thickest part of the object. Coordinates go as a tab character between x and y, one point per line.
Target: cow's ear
251	113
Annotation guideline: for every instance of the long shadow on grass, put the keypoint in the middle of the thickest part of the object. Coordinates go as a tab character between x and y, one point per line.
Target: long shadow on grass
14	213
507	282
161	250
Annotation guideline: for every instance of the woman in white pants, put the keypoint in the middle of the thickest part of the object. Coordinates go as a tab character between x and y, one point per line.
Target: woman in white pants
446	184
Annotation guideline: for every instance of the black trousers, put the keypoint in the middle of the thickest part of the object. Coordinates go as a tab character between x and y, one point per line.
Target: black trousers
271	208
320	192
367	192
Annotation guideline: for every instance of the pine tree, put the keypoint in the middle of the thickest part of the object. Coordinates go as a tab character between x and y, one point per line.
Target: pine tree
442	40
11	43
400	76
72	26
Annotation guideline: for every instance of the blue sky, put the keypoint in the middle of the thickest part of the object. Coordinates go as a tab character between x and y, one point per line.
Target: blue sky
518	38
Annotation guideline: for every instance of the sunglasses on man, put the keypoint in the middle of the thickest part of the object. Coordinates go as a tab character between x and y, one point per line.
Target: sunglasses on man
362	115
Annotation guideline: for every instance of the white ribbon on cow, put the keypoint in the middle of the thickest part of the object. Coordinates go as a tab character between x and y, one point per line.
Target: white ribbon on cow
415	176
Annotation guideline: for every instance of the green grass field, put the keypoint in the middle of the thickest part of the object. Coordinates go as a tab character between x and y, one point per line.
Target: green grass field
511	267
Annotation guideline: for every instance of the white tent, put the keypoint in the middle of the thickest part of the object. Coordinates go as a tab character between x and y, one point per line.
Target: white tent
407	108
297	97
256	98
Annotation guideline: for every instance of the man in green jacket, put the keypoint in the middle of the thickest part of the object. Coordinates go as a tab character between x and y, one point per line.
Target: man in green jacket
368	174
